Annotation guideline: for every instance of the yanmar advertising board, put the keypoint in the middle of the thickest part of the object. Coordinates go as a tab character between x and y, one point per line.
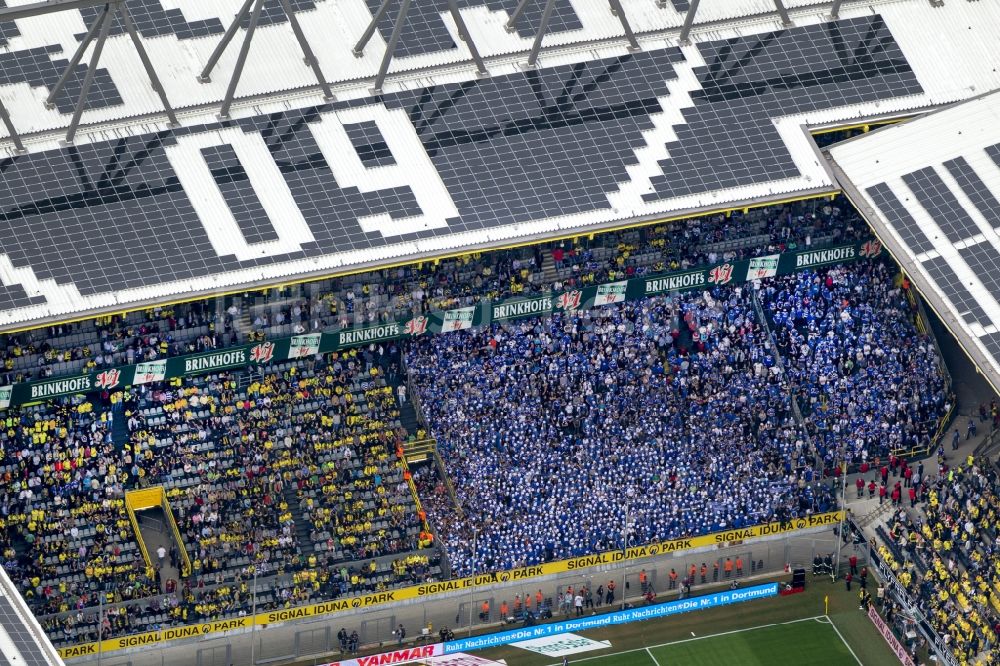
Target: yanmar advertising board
401	656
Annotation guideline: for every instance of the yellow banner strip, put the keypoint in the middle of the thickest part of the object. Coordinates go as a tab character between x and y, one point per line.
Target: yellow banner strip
431	589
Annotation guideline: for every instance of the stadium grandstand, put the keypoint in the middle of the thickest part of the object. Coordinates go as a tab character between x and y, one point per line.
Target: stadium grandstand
333	329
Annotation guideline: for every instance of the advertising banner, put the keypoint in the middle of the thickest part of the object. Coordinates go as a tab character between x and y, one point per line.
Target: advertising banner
302	346
561	645
459	319
898	648
620	617
431	589
763	267
401	656
613	292
152	371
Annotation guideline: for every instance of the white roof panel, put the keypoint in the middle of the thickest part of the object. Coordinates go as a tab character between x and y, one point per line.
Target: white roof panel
444	161
931	188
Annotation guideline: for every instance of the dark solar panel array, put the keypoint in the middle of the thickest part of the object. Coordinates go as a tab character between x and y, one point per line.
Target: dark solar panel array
21	637
37	68
992	343
14	296
563	15
975	189
994	153
231	177
369	144
932	193
984	261
523	147
749	80
8	29
900	219
424	30
151	19
940	202
42	66
947	280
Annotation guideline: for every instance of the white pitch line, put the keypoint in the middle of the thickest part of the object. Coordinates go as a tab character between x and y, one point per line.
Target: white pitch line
844	641
818	618
652	657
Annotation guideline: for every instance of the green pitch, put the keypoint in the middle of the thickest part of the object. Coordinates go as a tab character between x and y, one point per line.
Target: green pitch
814	627
813	642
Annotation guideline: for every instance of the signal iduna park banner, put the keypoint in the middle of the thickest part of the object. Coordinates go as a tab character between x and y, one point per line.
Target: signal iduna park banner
482	314
428	590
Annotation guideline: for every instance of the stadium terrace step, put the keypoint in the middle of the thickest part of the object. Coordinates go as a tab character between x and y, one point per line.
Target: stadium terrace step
119	427
408	417
878	512
302	537
155	533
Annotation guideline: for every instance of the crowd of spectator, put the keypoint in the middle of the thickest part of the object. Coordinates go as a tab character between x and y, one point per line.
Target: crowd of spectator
564	435
670	410
945	550
289	475
396	293
865	379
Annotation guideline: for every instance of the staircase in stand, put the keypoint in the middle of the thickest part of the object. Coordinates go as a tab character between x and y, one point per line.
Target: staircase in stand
119	426
302	526
243	324
875	514
549	272
408	417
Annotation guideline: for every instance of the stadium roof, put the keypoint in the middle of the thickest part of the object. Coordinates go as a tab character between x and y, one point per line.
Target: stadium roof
931	189
136	212
22	641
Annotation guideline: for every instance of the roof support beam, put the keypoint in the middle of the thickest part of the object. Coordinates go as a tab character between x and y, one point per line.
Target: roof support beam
226	38
154	80
100	28
307	52
688	22
88	79
780	6
359	48
616	9
542	27
383	8
463	33
15	137
45	7
390	49
241	59
835	9
511	24
50	101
